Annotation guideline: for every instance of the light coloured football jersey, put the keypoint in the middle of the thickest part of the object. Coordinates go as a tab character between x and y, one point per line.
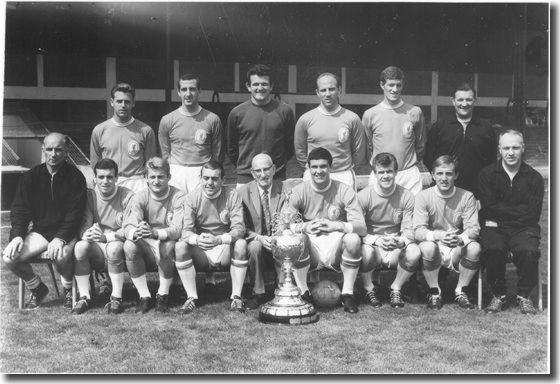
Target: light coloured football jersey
338	202
107	212
219	215
432	211
163	214
190	140
129	145
390	214
342	134
399	131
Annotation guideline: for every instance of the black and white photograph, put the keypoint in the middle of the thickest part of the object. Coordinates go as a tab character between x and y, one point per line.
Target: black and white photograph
276	188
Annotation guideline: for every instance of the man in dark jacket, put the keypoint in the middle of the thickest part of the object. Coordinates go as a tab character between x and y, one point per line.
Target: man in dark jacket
52	196
511	195
471	140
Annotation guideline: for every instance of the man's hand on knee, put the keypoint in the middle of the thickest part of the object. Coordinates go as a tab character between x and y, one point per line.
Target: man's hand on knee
54	249
13	247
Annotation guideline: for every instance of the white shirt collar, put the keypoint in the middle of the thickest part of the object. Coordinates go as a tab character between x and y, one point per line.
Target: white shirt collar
378	190
103	197
184	111
123	124
329	113
160	198
320	190
438	193
212	197
386	105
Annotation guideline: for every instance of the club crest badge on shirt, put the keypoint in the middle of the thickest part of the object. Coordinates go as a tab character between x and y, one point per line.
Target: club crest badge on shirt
133	149
169	218
407	129
200	136
397	215
224	216
343	135
119	219
333	212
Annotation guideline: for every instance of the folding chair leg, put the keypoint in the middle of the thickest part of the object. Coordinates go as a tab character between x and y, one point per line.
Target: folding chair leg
21	293
74	292
539	282
51	269
479	288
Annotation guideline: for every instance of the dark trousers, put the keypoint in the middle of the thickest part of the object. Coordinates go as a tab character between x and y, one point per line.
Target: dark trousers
523	244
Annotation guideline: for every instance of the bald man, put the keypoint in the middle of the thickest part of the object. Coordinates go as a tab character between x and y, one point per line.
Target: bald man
262	198
52	195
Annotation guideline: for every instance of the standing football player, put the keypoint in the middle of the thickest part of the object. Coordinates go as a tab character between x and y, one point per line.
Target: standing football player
189	136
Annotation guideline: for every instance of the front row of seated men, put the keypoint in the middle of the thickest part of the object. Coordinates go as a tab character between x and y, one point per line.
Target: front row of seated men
213	228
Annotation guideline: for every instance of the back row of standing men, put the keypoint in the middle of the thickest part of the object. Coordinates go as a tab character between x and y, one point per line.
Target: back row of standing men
191	136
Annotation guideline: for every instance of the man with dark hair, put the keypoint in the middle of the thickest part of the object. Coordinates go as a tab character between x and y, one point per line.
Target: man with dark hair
470	139
189	136
334	128
262	199
212	237
388	209
333	222
102	236
125	140
262	124
511	196
152	225
52	196
396	127
446	227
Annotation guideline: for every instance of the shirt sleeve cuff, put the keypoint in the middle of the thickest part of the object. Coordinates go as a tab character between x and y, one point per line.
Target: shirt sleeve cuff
405	240
192	239
161	234
226	238
110	236
430	236
348	228
130	234
370	239
466	239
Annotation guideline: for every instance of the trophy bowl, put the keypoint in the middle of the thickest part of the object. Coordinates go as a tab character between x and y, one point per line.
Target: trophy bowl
288	247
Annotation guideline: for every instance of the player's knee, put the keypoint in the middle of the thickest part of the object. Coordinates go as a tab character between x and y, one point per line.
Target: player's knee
352	242
471	257
167	250
410	259
81	250
66	255
240	249
369	261
130	250
431	259
182	251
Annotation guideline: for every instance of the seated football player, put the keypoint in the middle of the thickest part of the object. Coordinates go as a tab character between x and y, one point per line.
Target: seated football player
212	237
152	225
446	227
52	195
388	209
102	237
333	223
262	198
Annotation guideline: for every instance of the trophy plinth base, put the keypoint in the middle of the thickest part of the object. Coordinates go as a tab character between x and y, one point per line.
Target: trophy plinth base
287	307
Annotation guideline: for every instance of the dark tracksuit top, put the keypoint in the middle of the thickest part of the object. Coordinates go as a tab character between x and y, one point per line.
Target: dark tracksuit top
55	204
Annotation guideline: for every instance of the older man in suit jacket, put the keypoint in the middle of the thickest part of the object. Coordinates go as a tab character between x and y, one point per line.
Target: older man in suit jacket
262	198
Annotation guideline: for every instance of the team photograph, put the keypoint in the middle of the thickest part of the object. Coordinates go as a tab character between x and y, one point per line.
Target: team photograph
276	188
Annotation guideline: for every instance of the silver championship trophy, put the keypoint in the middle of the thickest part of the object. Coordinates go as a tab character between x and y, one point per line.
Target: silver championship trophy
288	246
